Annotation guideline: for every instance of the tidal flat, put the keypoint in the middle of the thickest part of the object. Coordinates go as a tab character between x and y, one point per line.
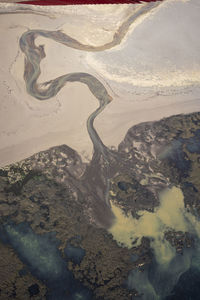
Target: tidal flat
99	177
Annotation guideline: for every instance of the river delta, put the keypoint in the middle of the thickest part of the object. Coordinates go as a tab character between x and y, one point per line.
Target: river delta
121	225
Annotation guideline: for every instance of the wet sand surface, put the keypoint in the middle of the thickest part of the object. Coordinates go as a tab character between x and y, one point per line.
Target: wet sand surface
113	122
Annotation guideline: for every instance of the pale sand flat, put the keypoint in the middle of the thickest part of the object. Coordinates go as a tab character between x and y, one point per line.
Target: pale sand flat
28	126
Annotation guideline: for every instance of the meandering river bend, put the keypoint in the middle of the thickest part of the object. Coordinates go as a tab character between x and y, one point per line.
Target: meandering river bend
34	55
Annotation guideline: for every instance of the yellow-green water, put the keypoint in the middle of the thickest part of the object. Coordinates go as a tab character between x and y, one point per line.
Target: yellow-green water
171	214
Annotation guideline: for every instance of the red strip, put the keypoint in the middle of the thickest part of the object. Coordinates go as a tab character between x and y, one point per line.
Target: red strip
73	2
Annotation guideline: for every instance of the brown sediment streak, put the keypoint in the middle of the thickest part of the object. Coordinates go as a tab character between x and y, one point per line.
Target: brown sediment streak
83	2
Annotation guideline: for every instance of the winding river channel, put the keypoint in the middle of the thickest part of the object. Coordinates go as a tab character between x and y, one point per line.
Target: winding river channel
34	55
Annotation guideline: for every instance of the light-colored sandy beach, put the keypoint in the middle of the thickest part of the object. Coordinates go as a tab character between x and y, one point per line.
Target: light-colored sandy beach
28	126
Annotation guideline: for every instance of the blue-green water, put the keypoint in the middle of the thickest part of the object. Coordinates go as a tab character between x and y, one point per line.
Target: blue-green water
43	259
